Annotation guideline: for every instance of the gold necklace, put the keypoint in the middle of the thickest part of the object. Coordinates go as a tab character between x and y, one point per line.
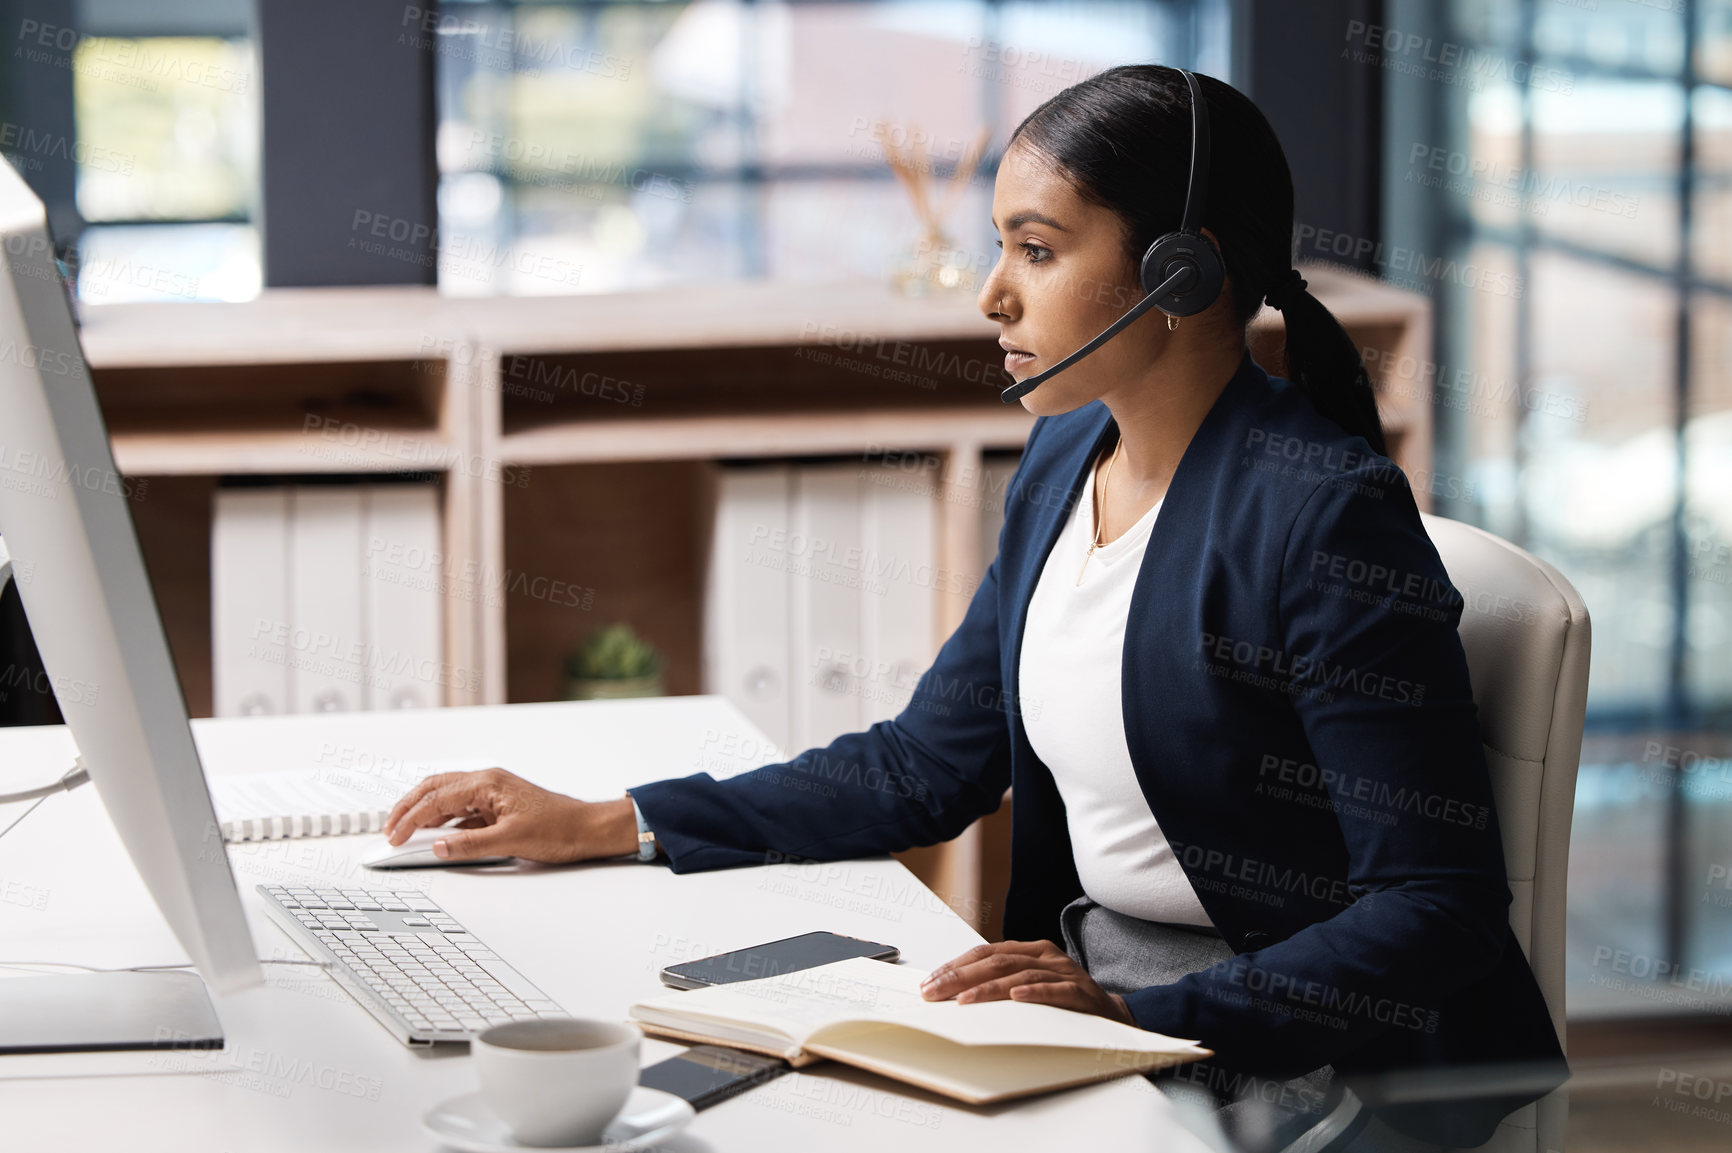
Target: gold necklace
1096	543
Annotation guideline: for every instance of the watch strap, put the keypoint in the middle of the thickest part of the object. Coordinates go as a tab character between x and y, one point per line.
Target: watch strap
646	840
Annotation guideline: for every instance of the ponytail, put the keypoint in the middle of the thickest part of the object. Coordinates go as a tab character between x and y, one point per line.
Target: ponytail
1325	363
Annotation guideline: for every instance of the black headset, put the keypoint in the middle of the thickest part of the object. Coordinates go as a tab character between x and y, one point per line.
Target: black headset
1181	272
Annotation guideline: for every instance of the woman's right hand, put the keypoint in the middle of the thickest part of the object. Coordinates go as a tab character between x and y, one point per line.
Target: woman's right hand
504	815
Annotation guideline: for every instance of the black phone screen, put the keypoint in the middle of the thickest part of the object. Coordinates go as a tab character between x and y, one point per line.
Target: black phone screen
709	1073
786	956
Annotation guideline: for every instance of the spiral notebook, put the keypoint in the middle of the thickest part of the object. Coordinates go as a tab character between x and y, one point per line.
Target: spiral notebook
284	805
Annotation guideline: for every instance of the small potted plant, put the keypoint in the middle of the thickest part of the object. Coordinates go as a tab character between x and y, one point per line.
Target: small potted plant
613	662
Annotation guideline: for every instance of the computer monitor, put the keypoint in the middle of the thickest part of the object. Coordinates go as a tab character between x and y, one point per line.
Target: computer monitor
93	618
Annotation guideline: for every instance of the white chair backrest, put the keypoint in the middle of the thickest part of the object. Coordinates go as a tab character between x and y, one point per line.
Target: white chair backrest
1526	634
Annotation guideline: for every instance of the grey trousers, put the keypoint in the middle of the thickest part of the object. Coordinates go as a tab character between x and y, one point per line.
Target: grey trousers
1308	1114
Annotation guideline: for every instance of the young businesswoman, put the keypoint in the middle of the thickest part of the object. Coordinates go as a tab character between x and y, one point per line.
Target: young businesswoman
1215	661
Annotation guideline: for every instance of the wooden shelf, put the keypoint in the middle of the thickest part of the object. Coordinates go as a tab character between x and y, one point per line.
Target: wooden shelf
722	315
788	434
281	326
245	453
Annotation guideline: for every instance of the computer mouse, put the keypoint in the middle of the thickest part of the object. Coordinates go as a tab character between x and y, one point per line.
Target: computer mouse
417	853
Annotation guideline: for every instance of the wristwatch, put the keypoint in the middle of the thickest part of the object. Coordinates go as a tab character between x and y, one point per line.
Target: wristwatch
646	840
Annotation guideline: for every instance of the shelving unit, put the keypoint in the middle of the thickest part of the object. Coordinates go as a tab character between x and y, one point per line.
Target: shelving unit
300	382
576	440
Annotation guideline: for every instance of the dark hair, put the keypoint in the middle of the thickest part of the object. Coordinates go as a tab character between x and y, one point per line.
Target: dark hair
1123	139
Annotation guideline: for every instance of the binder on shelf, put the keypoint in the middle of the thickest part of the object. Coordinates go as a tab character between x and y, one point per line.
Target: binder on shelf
327	599
325	634
400	598
821	596
824	554
746	621
898	611
249	601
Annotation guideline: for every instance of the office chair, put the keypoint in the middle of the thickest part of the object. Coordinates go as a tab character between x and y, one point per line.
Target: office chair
1526	634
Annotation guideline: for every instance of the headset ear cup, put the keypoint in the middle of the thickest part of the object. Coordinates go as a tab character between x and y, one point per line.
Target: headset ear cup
1168	255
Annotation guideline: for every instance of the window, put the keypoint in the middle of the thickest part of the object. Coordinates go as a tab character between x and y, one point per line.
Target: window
592	147
167	168
151	183
1595	162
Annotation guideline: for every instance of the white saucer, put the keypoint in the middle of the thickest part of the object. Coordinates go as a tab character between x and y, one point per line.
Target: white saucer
649	1117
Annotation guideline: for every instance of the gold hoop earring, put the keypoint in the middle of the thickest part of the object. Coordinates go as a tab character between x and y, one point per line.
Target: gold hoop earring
1172	324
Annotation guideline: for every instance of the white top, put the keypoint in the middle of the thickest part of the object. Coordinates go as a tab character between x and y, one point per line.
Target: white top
1072	655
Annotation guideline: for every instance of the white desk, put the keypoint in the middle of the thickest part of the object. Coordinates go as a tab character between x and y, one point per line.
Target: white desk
308	1069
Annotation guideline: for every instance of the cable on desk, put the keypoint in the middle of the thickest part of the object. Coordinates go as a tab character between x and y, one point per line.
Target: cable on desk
69	780
27	965
10	825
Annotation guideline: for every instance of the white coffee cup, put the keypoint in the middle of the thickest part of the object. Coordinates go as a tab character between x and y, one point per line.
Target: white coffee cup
559	1080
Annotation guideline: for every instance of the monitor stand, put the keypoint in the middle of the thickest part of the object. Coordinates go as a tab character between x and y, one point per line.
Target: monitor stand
95	1012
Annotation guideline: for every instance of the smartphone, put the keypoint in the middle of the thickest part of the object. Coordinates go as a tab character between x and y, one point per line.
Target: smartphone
709	1073
785	956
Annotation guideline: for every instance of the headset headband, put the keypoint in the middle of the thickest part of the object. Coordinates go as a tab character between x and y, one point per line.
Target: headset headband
1198	191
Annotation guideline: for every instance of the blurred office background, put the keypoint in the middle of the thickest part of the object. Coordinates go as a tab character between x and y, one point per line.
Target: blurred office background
1556	177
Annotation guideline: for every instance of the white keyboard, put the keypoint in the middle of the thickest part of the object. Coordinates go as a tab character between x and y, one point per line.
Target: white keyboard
408	962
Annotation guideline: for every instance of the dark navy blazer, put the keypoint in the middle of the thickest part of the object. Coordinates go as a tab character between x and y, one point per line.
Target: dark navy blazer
1298	713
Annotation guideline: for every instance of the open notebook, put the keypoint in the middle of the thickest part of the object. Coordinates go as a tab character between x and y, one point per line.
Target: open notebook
280	805
871	1014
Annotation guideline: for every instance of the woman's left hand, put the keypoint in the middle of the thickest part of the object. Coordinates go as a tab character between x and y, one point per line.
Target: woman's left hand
1037	971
